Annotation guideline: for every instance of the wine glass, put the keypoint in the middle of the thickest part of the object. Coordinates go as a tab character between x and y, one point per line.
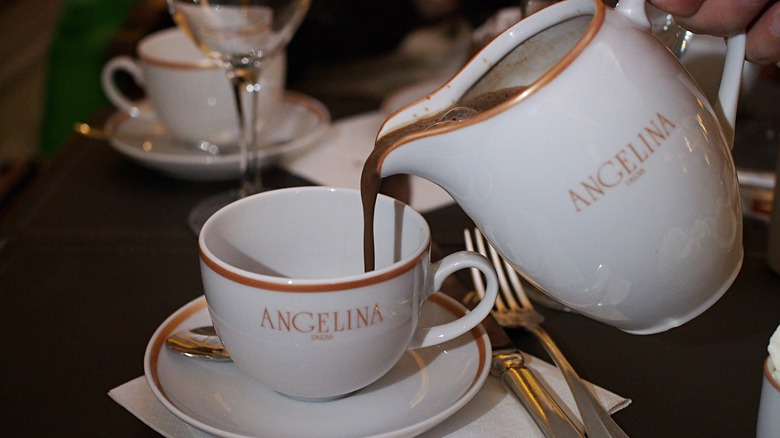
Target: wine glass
668	31
243	35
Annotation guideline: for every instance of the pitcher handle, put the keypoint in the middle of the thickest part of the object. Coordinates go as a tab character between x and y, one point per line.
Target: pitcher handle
635	11
730	81
728	95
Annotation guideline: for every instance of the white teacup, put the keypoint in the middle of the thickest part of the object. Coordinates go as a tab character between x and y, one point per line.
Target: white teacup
187	92
769	407
286	289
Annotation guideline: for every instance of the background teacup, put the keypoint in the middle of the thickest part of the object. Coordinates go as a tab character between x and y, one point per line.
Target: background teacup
286	289
187	92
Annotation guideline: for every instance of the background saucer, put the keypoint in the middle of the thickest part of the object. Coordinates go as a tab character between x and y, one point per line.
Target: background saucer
299	122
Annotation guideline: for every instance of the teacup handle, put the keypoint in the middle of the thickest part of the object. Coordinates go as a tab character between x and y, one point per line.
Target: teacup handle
427	336
117	97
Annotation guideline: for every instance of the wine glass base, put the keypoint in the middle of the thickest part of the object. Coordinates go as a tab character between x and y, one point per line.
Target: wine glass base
205	208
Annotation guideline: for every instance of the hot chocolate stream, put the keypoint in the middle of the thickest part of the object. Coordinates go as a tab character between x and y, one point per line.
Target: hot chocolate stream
371	180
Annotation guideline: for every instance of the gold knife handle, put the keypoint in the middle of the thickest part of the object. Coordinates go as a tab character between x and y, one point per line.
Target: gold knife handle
546	413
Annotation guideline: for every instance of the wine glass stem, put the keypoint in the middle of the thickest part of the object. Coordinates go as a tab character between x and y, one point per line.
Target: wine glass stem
246	85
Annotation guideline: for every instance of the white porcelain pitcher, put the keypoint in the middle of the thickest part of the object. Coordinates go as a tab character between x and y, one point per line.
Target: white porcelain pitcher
608	182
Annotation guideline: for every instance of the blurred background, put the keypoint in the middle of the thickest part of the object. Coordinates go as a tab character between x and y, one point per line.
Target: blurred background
55	49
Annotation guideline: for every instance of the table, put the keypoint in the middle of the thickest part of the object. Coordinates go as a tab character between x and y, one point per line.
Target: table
96	253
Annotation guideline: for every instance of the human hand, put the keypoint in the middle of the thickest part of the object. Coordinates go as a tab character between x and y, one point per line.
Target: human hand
759	18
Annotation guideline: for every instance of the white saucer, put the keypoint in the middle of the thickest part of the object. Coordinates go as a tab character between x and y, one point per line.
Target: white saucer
425	387
299	121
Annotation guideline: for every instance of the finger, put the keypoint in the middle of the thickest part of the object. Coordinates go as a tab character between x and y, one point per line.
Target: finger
763	37
680	8
722	17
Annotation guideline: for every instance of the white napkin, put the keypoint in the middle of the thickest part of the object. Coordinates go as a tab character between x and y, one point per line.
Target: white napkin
496	413
492	412
338	159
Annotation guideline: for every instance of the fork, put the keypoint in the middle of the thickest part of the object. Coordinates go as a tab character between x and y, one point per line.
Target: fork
513	309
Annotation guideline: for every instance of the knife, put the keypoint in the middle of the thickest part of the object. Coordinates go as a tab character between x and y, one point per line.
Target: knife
509	365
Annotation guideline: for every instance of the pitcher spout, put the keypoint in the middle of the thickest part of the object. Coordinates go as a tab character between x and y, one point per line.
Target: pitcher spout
421	156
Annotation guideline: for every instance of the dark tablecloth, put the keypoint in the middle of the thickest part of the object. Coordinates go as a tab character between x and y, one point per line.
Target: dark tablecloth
96	253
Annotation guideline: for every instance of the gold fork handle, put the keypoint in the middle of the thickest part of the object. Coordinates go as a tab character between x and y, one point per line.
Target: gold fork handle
597	421
534	397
